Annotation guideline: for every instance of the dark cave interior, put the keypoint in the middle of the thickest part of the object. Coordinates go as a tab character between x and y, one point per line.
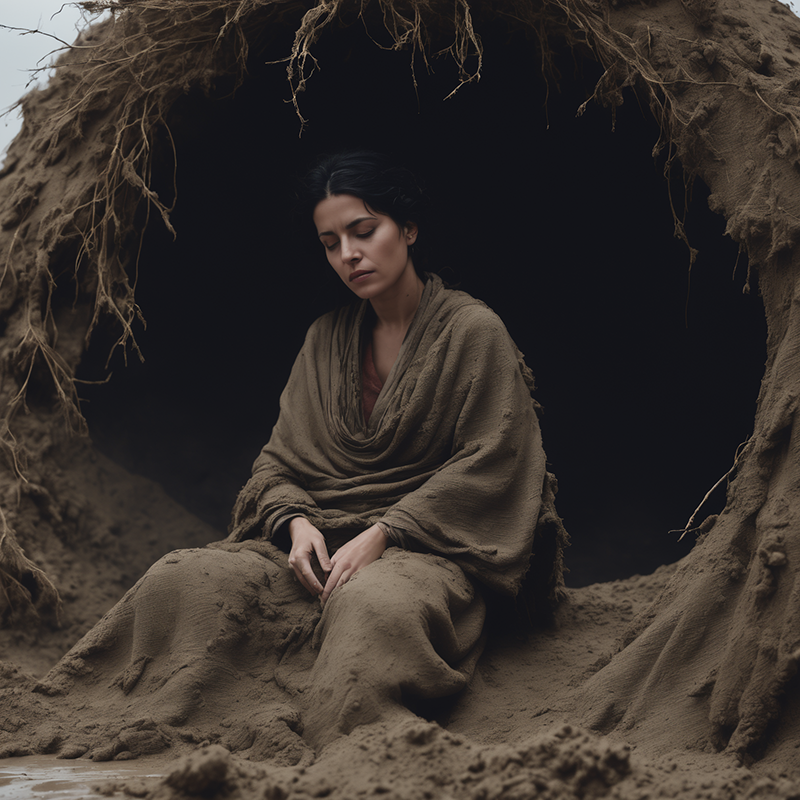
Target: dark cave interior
560	223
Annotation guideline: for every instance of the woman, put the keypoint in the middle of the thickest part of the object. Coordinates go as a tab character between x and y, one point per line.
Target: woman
406	479
407	431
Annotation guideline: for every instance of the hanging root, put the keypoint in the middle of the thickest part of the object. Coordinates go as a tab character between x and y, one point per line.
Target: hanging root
134	66
116	74
406	31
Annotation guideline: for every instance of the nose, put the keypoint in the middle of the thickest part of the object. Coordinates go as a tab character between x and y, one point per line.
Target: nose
349	250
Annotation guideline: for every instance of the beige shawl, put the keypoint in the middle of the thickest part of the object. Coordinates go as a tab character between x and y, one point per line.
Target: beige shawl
451	458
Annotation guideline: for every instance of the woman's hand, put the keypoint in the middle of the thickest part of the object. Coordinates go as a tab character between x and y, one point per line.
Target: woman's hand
306	539
353	556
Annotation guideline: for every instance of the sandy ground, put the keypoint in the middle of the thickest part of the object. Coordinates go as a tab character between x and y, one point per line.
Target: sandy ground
506	736
517	685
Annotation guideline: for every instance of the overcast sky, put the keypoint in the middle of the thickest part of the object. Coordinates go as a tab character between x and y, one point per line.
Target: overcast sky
22	53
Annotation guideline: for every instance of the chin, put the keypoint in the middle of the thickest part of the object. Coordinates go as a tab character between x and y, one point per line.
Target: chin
366	292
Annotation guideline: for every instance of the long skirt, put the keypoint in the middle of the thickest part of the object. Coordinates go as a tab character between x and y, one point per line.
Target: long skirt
223	644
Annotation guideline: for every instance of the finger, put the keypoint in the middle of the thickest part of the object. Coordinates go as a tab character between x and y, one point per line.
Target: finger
322	556
304	581
312	580
332	582
344	579
302	569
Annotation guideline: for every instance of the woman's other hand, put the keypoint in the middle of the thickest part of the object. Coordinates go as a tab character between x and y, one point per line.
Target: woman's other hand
353	556
306	539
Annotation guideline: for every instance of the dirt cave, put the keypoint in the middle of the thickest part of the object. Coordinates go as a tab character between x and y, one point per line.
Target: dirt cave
583	140
562	224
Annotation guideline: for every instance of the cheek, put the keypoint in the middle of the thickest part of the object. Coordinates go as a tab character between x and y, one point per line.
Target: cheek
391	248
400	250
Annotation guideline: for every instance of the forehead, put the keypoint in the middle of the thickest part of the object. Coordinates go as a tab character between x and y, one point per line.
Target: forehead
339	210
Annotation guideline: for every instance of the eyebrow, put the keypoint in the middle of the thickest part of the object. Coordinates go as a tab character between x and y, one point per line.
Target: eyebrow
346	227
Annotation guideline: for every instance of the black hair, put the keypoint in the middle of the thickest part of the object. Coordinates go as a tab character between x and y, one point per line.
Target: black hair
384	185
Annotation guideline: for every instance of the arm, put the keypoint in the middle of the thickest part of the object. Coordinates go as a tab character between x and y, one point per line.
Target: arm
480	507
275	497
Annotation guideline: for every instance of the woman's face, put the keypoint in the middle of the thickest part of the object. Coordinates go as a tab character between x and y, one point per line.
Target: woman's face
368	250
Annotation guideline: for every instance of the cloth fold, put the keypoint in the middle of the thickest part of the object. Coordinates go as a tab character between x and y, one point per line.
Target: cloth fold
371	384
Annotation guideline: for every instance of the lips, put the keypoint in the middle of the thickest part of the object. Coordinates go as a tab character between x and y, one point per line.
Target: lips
359	273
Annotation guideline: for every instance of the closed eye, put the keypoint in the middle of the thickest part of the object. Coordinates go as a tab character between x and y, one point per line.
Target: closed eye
366	234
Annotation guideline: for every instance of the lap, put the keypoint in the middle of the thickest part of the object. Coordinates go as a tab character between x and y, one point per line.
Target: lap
403	579
406	597
206	627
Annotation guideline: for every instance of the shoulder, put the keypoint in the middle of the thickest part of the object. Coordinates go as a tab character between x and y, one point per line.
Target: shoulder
457	318
323	328
475	318
478	335
450	308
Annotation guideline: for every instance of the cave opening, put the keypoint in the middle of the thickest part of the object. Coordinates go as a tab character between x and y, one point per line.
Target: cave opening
560	223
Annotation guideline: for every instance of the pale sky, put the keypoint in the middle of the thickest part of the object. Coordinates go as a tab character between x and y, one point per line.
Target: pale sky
22	53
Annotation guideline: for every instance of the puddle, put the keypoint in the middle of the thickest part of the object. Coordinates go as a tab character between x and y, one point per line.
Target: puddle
49	778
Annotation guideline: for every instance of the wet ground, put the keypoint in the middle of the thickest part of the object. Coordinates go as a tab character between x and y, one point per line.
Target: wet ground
49	778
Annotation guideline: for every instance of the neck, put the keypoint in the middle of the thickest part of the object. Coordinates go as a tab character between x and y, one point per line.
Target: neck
396	310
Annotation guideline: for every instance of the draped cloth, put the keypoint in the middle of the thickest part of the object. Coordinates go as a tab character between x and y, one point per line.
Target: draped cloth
371	383
223	643
451	458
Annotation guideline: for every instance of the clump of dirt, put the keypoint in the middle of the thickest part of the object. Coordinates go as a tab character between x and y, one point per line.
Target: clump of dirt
421	760
414	759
